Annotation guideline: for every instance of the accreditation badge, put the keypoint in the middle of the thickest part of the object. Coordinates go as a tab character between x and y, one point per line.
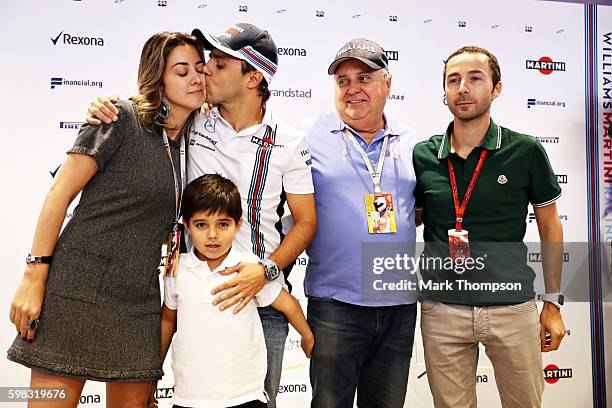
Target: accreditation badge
459	244
380	213
173	246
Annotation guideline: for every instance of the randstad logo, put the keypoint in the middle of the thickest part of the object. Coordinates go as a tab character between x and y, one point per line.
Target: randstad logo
57	81
292	93
69	39
292	52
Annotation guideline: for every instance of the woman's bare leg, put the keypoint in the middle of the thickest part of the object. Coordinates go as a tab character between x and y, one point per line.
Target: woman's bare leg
71	387
127	394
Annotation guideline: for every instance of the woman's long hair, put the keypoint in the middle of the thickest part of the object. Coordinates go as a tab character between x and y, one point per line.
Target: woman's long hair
151	77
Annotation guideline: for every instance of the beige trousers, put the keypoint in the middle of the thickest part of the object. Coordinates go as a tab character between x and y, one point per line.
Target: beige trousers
511	337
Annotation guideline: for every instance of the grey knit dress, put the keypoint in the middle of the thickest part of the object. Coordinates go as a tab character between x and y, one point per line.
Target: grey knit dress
100	319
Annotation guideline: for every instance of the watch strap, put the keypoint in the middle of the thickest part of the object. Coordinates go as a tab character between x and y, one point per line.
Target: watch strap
39	259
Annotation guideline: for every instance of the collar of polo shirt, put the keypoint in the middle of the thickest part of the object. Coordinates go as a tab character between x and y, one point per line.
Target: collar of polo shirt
232	259
492	140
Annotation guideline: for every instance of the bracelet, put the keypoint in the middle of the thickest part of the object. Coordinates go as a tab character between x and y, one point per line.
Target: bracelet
39	259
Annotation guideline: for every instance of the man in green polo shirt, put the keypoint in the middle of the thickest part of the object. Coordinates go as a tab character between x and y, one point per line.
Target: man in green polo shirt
475	183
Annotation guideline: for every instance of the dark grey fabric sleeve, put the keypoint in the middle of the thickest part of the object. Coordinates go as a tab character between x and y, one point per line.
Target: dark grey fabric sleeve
102	142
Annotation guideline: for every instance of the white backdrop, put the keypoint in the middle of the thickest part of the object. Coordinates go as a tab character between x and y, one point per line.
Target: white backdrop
41	116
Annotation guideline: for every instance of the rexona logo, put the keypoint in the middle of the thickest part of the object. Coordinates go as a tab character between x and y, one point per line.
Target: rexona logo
69	39
285	388
292	52
89	399
552	373
392	55
545	65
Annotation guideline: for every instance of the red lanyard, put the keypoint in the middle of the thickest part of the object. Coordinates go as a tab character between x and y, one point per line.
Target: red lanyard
459	210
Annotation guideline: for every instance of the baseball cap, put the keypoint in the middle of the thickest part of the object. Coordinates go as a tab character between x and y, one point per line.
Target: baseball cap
362	49
246	42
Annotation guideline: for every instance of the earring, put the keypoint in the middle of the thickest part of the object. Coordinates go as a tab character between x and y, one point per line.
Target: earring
164	110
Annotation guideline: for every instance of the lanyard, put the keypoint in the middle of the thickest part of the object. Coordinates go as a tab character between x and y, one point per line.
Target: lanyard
459	210
375	175
177	187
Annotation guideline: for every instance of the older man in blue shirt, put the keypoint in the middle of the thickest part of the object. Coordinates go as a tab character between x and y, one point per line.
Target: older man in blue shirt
363	339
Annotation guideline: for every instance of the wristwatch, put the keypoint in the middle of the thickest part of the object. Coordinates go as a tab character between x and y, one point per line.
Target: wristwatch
39	259
271	269
556	299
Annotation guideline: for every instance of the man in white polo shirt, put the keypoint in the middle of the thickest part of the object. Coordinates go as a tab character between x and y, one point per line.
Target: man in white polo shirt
268	161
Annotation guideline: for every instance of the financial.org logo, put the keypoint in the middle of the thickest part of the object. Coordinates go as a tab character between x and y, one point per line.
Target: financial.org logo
71	125
292	52
538	102
69	39
532	217
59	81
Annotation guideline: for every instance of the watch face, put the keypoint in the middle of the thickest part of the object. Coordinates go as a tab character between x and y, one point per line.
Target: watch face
561	299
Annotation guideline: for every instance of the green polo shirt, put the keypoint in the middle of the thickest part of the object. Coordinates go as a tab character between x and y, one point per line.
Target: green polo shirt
516	172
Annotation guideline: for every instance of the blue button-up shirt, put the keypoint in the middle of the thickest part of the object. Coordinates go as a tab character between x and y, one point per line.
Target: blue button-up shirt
341	181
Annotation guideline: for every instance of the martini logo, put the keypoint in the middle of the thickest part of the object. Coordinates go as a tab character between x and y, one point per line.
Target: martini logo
545	65
164	393
392	55
536	257
552	373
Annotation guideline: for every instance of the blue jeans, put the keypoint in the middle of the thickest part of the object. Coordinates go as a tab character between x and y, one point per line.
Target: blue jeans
276	328
360	349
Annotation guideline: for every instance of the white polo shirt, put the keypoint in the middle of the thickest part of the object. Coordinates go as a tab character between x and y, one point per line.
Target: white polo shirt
218	358
265	161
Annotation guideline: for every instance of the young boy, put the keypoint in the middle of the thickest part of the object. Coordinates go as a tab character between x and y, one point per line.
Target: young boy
218	357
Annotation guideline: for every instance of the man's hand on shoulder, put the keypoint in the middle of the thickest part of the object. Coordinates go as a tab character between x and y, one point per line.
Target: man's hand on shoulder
103	109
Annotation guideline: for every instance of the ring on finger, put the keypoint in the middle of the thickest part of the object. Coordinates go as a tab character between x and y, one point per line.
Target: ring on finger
33	324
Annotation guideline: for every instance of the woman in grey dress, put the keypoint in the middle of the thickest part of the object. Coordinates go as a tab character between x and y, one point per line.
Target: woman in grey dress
93	312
